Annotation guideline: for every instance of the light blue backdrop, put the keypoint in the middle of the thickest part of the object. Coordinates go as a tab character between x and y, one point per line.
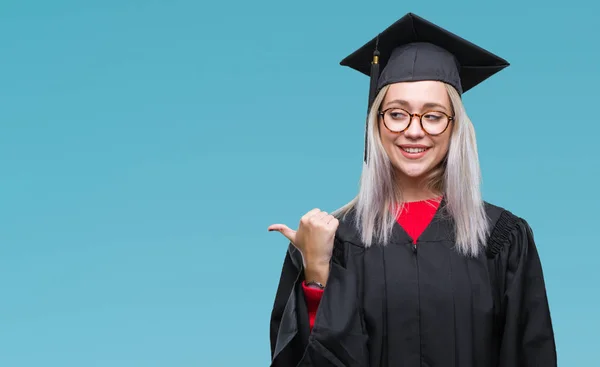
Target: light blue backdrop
145	146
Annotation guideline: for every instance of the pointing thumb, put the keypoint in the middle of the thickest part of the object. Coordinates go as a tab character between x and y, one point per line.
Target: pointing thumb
289	233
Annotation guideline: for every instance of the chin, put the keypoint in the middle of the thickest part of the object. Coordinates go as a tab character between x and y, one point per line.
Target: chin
412	170
414	173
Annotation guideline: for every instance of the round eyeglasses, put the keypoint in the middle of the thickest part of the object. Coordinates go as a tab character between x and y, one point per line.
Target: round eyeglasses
433	123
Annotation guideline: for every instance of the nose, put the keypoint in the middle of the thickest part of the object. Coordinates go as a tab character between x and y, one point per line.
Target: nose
414	130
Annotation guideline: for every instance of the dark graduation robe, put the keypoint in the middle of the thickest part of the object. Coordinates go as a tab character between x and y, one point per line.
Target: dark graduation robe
412	305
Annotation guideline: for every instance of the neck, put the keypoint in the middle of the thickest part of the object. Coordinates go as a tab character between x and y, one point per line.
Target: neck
416	190
411	195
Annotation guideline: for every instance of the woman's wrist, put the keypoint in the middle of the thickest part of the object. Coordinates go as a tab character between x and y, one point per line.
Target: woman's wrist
317	273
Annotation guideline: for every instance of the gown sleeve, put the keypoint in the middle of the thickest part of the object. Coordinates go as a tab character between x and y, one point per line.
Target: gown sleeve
527	336
338	337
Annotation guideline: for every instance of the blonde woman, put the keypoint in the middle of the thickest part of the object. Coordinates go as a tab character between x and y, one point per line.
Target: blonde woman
417	270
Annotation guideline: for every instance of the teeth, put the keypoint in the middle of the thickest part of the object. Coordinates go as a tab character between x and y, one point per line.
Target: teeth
414	150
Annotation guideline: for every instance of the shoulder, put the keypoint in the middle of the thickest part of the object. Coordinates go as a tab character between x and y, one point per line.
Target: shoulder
508	231
500	217
348	229
348	242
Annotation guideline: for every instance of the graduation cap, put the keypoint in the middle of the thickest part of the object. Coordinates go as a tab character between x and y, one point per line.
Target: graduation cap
414	49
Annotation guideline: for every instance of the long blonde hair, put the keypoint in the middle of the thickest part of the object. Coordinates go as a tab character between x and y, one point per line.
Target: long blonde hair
458	177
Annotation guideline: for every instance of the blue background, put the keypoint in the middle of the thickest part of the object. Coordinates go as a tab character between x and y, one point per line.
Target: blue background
145	146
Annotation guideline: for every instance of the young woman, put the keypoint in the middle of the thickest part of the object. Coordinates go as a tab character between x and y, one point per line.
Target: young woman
417	270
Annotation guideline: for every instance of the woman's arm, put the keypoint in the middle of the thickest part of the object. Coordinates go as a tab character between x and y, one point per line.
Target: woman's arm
337	337
528	336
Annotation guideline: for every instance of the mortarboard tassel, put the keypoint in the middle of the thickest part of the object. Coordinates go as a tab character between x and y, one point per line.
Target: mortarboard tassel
372	88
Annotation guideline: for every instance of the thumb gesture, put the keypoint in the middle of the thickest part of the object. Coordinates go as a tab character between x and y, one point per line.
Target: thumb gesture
289	233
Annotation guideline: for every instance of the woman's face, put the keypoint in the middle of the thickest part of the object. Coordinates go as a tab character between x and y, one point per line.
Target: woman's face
413	152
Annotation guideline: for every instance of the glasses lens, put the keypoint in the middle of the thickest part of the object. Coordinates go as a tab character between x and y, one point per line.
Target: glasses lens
396	119
434	122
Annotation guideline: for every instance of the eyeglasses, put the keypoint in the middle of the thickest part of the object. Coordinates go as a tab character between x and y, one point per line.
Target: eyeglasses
433	123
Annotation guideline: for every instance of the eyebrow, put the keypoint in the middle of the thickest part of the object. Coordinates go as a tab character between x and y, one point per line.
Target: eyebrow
407	104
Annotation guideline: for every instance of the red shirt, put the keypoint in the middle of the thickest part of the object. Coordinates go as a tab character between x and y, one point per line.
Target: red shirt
414	218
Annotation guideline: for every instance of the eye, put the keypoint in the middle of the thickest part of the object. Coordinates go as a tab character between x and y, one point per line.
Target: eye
398	114
434	116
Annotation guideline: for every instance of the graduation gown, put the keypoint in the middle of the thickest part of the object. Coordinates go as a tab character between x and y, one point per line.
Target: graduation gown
412	305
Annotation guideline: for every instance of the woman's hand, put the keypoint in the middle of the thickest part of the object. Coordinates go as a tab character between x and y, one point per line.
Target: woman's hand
314	239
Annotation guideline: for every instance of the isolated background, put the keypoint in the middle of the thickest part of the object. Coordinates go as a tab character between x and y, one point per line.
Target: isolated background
145	146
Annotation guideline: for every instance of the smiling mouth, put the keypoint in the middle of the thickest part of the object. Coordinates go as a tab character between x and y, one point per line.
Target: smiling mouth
414	150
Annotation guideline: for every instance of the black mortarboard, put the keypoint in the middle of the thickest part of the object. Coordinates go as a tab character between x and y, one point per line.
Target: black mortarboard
414	49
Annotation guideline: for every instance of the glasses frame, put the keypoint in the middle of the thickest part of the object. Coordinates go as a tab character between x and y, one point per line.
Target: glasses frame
412	115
